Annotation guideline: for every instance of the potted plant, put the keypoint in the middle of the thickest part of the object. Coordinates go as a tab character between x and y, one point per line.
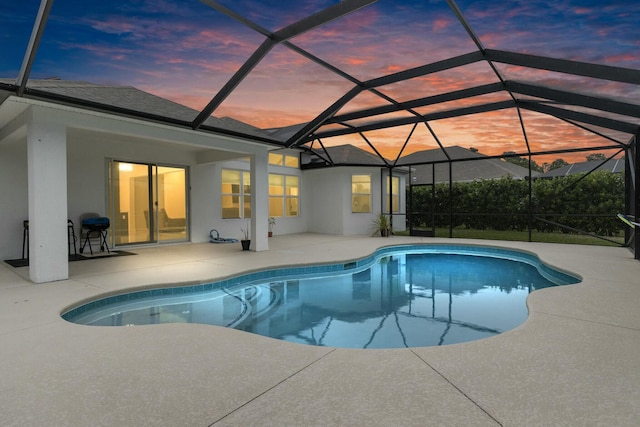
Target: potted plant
382	225
272	223
246	239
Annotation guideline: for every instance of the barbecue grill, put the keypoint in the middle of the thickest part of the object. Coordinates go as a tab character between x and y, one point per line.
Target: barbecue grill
95	227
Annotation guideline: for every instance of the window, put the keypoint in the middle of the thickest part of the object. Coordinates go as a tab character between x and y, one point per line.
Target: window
284	195
275	159
236	194
291	161
283	160
292	195
395	195
360	193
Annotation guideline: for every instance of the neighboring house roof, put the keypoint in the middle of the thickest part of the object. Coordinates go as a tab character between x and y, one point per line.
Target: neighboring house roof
341	154
612	165
133	99
482	168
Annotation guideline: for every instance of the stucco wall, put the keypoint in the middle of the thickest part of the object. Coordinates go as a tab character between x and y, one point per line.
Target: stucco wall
331	204
211	191
13	190
203	202
325	194
87	153
361	222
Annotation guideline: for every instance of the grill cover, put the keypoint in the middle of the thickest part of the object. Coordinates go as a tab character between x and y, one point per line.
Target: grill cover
96	222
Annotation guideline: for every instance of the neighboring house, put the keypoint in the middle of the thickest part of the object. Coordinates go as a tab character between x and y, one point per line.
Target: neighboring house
611	165
422	172
159	182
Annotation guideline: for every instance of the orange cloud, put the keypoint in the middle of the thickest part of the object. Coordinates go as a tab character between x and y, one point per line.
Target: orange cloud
491	133
441	24
189	58
582	11
356	61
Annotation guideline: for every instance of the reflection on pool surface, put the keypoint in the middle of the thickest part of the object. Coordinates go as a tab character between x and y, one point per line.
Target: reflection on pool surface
409	296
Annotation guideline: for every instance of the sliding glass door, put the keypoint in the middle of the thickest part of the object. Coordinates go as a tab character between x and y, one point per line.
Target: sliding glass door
148	203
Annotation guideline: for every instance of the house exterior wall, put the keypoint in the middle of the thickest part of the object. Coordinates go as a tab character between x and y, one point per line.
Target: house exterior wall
87	154
356	222
399	220
230	228
300	223
13	190
92	138
326	204
205	196
330	190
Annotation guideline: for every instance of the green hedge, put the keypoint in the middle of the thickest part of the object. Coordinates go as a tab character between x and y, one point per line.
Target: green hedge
588	203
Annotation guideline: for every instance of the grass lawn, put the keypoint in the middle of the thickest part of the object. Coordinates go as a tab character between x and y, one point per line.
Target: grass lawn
536	236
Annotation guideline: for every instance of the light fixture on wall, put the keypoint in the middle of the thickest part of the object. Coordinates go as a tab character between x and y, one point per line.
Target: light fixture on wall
125	167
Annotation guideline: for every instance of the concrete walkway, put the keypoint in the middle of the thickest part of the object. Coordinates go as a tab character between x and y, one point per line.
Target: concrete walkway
574	362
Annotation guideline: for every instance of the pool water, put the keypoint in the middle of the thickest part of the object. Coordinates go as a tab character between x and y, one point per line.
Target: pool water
408	297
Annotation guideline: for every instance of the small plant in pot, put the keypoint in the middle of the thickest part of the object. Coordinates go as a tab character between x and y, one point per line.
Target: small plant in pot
382	225
246	239
272	223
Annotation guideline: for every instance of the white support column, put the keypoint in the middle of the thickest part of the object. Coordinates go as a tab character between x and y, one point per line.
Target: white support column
47	174
260	201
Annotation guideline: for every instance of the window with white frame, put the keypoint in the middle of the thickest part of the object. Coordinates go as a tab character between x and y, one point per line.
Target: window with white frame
284	195
285	160
236	194
360	193
395	194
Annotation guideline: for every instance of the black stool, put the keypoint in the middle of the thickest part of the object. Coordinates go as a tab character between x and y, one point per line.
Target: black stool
71	237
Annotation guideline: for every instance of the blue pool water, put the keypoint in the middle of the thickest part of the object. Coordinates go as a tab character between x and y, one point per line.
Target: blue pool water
405	296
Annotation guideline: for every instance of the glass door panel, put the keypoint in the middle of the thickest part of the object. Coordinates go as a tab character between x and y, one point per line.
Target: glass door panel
172	204
131	203
148	203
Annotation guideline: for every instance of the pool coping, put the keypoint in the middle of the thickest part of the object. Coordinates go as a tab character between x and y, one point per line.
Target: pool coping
573	362
288	272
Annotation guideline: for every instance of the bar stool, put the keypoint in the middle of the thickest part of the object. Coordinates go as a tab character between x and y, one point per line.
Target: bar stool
71	237
25	237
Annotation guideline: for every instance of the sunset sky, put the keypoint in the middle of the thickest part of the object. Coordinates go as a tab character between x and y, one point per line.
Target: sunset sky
186	51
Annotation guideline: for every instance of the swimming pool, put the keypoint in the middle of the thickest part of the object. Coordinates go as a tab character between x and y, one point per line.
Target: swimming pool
401	296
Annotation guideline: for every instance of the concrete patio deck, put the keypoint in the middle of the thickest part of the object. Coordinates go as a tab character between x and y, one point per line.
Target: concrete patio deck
574	362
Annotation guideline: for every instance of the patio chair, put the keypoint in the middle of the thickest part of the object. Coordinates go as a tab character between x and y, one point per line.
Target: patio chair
168	224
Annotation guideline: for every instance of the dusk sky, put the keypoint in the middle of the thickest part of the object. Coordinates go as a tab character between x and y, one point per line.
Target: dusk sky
186	51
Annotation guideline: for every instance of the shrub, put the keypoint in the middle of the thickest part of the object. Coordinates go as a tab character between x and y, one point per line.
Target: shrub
588	203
